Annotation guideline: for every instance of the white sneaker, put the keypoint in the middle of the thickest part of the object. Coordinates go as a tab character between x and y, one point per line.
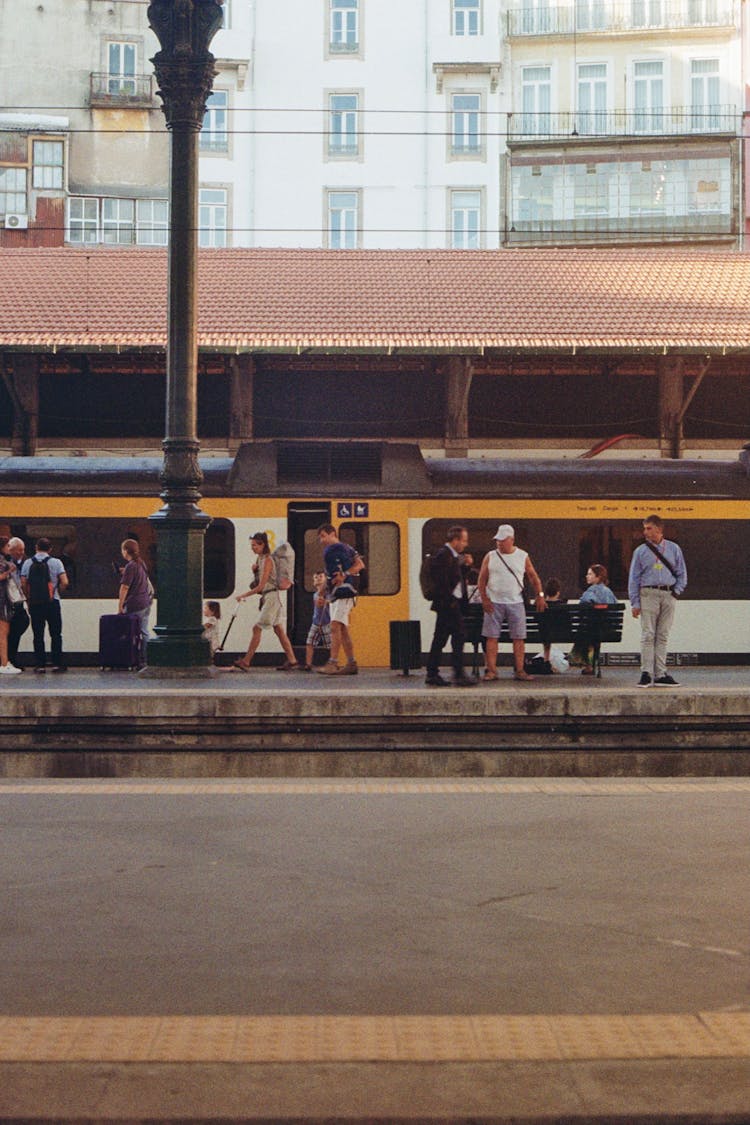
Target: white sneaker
9	670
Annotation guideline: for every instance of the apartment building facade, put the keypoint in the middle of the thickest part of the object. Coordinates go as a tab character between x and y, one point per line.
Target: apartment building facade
626	122
370	124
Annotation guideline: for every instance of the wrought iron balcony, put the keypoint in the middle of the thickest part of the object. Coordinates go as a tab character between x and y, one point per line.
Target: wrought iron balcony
119	91
676	121
606	17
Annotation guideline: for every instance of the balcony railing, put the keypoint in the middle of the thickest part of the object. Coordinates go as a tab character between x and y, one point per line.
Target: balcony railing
602	16
121	90
677	121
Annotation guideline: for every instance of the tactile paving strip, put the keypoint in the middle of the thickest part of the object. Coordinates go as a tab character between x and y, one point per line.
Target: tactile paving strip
587	787
393	1039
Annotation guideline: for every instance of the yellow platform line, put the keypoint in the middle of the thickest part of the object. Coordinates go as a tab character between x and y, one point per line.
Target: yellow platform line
387	1039
589	787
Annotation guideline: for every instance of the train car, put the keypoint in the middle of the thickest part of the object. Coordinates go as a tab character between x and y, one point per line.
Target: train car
394	507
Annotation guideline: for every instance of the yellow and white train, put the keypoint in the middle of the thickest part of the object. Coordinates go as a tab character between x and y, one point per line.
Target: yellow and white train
394	507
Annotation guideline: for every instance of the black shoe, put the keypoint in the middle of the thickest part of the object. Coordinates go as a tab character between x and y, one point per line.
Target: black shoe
463	681
645	680
436	681
666	681
40	668
59	668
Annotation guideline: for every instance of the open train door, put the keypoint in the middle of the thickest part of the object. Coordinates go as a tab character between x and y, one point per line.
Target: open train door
303	520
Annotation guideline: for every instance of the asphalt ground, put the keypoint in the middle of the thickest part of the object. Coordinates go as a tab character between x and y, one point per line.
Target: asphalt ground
472	949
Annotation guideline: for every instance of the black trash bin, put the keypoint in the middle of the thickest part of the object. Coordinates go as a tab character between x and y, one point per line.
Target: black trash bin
406	646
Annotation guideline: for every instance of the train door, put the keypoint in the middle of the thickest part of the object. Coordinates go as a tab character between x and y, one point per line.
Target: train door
303	520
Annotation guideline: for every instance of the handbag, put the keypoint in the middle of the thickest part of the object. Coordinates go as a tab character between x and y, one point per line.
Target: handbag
14	595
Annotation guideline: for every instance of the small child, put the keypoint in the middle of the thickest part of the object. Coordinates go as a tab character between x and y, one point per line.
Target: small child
211	618
320	630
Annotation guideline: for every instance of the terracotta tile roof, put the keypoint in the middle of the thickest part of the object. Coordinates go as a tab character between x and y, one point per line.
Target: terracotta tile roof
693	300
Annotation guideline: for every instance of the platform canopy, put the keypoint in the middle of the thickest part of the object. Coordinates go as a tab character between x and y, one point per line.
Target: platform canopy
656	301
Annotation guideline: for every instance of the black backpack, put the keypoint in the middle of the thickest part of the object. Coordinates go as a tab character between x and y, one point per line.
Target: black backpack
40	584
427	578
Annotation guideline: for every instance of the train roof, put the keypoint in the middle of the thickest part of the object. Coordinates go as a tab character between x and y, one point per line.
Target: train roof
367	470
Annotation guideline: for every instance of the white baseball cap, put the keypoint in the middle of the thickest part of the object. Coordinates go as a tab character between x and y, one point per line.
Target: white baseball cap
505	531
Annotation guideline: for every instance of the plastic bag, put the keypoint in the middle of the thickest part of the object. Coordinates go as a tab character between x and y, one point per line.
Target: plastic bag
558	660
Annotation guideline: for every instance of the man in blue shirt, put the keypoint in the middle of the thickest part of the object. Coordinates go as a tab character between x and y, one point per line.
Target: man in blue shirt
657	576
342	564
44	610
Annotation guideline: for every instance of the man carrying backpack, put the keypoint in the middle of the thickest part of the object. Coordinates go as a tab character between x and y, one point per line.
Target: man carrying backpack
42	579
448	592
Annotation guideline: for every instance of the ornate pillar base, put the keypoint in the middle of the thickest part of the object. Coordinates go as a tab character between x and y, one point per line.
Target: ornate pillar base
180	528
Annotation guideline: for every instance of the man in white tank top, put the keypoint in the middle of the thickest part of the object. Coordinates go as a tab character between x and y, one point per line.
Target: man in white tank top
501	590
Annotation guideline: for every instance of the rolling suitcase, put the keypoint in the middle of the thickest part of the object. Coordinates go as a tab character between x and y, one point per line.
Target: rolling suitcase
120	641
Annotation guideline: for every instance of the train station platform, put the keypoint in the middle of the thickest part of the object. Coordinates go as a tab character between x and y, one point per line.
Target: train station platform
379	723
360	951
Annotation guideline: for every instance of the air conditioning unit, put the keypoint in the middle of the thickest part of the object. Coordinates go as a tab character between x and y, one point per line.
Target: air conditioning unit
16	222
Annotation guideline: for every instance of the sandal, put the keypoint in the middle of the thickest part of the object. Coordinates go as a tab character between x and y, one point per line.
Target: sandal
490	676
240	667
287	666
523	676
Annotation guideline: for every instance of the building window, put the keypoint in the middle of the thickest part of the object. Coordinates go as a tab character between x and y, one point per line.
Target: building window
590	15
212	217
118	221
648	82
343	132
536	99
121	68
705	110
227	14
592	98
466	17
537	17
213	135
48	165
465	133
344	25
152	222
466	220
343	219
12	191
647	13
702	12
83	219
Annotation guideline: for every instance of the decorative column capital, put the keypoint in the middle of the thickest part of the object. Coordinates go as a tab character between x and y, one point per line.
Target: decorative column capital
181	476
184	66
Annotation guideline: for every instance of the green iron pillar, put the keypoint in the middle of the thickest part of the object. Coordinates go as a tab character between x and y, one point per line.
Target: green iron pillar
184	72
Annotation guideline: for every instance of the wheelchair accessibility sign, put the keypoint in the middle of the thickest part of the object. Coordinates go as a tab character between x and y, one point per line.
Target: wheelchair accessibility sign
357	509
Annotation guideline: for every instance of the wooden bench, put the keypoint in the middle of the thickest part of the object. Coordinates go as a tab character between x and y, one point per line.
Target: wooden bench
560	623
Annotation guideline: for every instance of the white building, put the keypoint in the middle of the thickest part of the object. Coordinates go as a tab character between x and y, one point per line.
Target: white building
383	124
357	123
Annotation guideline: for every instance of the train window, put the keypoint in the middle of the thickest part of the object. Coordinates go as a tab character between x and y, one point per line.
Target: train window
379	546
90	551
567	548
480	536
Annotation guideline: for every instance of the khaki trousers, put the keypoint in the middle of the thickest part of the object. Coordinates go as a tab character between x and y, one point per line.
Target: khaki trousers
657	615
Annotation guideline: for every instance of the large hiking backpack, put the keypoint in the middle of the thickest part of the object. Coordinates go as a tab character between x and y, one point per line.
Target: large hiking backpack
283	557
427	578
41	587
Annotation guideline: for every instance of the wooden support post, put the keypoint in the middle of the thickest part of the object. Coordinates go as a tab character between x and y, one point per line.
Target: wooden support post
241	401
21	378
671	377
459	376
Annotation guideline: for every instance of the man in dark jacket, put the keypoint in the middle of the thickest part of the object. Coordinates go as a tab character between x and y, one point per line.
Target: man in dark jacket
449	600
